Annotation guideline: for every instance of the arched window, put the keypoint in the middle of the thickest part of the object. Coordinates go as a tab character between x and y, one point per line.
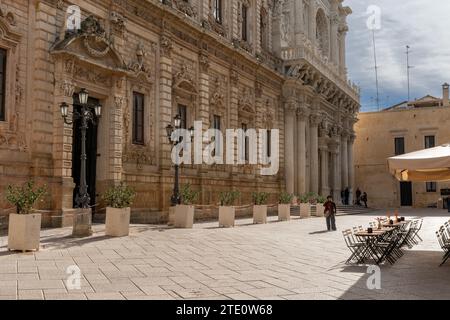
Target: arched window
322	36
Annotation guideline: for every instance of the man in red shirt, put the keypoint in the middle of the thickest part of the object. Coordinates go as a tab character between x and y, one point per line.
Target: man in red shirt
330	213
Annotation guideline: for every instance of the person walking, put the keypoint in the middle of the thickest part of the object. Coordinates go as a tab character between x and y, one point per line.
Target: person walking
358	197
347	196
330	213
364	199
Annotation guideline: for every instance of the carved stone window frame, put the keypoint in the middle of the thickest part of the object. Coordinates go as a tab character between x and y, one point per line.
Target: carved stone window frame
146	89
10	38
185	92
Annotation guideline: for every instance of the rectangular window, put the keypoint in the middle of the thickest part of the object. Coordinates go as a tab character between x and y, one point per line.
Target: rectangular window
246	143
399	146
218	11
244	26
3	54
138	118
430	142
431	187
182	111
269	143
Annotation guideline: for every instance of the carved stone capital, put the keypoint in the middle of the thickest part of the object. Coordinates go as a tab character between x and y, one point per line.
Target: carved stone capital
166	46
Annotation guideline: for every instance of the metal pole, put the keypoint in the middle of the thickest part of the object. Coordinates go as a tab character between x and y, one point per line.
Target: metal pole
83	199
408	75
176	189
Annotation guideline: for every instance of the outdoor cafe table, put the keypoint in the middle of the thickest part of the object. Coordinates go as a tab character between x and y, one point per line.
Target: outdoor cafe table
394	225
371	240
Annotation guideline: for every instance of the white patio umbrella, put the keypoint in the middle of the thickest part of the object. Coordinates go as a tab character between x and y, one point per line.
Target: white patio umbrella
422	166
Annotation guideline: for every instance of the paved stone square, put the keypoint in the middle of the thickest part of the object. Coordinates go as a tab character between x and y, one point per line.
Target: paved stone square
281	260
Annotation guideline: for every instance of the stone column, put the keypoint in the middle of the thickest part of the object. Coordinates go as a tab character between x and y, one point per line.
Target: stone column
301	149
289	146
314	152
324	187
351	166
342	35
344	161
334	149
334	39
312	22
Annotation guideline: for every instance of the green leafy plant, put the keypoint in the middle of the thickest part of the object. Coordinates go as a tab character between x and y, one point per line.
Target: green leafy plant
321	199
286	198
311	198
189	196
260	198
228	198
119	197
25	197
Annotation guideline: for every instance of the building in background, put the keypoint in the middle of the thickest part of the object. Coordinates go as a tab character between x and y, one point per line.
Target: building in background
403	128
231	64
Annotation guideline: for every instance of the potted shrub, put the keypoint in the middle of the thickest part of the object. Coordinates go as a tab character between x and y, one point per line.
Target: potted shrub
260	207
118	212
227	212
320	200
24	226
284	207
305	206
184	213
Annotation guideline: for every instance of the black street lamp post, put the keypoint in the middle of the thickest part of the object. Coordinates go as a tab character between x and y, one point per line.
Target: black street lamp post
176	197
86	115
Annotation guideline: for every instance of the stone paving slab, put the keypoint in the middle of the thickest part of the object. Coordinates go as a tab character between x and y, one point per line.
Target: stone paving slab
294	260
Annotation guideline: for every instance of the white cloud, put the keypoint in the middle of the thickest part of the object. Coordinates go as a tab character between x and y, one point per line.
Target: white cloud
421	24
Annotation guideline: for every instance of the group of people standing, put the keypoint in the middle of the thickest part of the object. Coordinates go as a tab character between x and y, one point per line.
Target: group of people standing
361	197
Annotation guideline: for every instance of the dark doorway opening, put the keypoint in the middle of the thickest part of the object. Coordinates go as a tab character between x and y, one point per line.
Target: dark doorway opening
406	194
91	151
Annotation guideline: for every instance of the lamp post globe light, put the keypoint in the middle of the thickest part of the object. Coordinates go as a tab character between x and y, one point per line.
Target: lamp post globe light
88	114
170	129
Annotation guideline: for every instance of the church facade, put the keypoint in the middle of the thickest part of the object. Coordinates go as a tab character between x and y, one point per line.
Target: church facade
260	64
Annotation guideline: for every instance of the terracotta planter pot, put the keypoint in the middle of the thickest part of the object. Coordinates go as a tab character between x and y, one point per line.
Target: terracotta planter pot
260	214
118	222
184	217
305	210
227	217
24	233
82	223
284	212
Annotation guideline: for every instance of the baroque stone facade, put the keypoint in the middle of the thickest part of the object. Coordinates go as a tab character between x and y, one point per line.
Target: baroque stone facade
263	63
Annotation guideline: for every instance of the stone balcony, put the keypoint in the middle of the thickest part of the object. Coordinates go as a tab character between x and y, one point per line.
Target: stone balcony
329	70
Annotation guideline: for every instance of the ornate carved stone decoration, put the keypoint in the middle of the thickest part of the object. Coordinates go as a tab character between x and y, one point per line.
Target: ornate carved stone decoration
203	61
139	67
67	88
245	102
185	7
141	156
93	76
217	97
234	76
166	46
118	22
183	80
119	102
89	44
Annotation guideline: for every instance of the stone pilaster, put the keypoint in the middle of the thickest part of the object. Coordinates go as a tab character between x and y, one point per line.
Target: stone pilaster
289	119
324	174
301	150
351	166
115	122
344	161
314	152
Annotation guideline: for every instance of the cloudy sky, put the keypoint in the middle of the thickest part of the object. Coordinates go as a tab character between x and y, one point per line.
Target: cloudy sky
423	25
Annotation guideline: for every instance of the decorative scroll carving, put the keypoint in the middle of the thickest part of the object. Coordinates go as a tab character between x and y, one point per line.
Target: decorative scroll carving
185	7
118	22
139	67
